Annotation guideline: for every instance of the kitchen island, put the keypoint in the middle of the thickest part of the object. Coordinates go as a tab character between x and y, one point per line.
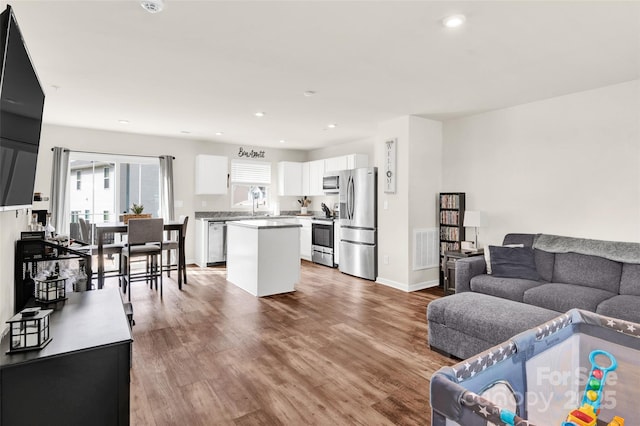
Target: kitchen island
263	256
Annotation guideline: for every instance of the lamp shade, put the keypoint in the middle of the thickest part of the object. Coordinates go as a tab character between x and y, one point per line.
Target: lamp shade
473	218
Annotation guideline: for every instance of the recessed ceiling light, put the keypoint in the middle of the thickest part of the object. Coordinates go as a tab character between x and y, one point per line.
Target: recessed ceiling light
281	140
309	93
152	6
259	114
454	21
332	125
186	132
123	121
219	133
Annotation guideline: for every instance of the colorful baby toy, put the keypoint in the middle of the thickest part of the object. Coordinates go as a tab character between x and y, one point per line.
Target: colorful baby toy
587	413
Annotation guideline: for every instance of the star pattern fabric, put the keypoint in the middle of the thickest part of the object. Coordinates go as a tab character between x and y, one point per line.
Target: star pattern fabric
471	367
622	326
552	326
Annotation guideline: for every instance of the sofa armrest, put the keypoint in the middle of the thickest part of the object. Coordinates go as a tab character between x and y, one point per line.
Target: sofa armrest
466	269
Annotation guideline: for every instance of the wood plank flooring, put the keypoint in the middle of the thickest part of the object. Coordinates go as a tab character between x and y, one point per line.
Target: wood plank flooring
338	351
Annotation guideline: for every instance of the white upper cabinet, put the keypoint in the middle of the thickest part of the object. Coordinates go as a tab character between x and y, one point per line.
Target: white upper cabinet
290	178
357	161
212	174
316	173
306	185
335	164
346	162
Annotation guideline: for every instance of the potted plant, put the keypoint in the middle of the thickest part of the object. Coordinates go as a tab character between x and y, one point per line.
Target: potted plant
136	213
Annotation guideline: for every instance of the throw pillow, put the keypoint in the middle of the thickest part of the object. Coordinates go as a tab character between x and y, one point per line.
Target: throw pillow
513	262
487	255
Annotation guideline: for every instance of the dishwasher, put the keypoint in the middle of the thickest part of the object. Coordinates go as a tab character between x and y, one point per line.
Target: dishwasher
216	243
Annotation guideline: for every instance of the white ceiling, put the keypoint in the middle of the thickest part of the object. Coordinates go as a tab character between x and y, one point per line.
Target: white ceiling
208	66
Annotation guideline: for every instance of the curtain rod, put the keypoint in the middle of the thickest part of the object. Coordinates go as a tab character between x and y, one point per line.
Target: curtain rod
110	153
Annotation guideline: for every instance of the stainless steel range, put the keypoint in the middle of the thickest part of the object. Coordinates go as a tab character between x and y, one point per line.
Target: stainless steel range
322	241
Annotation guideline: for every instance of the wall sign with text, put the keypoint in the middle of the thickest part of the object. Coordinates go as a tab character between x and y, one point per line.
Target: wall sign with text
390	148
250	154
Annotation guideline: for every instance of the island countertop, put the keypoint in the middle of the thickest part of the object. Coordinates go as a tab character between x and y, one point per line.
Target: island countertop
263	224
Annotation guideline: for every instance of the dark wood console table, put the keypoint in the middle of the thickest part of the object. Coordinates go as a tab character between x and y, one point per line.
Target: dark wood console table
81	377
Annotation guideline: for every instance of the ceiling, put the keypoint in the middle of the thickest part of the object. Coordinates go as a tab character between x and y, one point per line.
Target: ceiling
204	67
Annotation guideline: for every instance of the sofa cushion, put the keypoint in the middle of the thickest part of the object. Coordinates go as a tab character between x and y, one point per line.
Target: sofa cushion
630	281
624	307
589	271
513	262
544	264
487	255
562	297
507	288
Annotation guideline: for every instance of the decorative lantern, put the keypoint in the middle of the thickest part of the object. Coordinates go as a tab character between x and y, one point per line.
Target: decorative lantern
29	330
50	289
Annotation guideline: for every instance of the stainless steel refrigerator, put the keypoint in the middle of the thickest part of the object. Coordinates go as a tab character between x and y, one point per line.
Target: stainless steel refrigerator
358	198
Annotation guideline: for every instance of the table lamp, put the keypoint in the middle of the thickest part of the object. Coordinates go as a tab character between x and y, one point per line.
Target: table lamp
474	219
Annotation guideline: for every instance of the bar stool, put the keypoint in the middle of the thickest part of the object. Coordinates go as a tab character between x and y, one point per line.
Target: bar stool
144	241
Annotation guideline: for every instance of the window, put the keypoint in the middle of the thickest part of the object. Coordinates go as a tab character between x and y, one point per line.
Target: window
75	214
78	180
112	183
250	182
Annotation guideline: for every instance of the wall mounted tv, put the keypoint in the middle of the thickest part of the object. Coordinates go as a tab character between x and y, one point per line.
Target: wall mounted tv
21	105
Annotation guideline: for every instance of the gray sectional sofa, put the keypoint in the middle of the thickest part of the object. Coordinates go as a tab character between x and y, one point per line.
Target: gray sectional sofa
564	273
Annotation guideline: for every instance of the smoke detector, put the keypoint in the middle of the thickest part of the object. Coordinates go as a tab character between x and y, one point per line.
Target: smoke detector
152	6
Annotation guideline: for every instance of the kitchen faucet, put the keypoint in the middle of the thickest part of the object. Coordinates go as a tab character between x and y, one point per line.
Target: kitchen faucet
255	195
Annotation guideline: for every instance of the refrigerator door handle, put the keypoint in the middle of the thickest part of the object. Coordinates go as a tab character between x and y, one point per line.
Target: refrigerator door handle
350	197
353	197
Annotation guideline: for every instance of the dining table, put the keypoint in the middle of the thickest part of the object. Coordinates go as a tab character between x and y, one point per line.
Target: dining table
105	228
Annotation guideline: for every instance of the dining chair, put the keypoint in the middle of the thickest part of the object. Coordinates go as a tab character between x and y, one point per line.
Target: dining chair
170	245
144	241
110	249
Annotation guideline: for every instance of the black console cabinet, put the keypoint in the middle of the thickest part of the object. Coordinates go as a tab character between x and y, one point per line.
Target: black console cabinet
81	377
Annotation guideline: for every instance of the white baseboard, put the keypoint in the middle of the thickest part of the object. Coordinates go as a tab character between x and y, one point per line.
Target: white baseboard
423	285
407	287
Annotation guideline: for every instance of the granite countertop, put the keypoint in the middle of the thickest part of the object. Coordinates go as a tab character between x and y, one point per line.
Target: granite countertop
236	218
228	216
263	224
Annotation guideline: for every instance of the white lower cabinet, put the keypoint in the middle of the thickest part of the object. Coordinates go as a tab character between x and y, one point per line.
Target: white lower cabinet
305	238
336	242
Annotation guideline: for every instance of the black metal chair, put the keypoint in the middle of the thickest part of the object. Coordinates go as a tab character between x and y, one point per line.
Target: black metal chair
144	241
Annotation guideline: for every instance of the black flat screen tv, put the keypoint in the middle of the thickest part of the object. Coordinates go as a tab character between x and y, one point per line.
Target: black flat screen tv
21	106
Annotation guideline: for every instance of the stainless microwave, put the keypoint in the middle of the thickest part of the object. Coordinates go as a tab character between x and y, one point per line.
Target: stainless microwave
331	183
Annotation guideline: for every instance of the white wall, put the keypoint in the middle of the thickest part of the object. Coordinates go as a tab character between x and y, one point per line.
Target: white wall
425	181
567	166
413	205
393	222
11	223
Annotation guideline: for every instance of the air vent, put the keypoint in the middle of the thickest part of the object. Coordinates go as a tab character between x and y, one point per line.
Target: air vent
425	249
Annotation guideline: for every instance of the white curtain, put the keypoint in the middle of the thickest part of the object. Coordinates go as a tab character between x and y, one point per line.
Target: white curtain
59	206
166	187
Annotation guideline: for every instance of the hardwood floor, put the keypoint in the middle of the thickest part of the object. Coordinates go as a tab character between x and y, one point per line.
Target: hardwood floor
338	351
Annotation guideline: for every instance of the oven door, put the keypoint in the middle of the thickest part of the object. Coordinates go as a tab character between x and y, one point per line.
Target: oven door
322	234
